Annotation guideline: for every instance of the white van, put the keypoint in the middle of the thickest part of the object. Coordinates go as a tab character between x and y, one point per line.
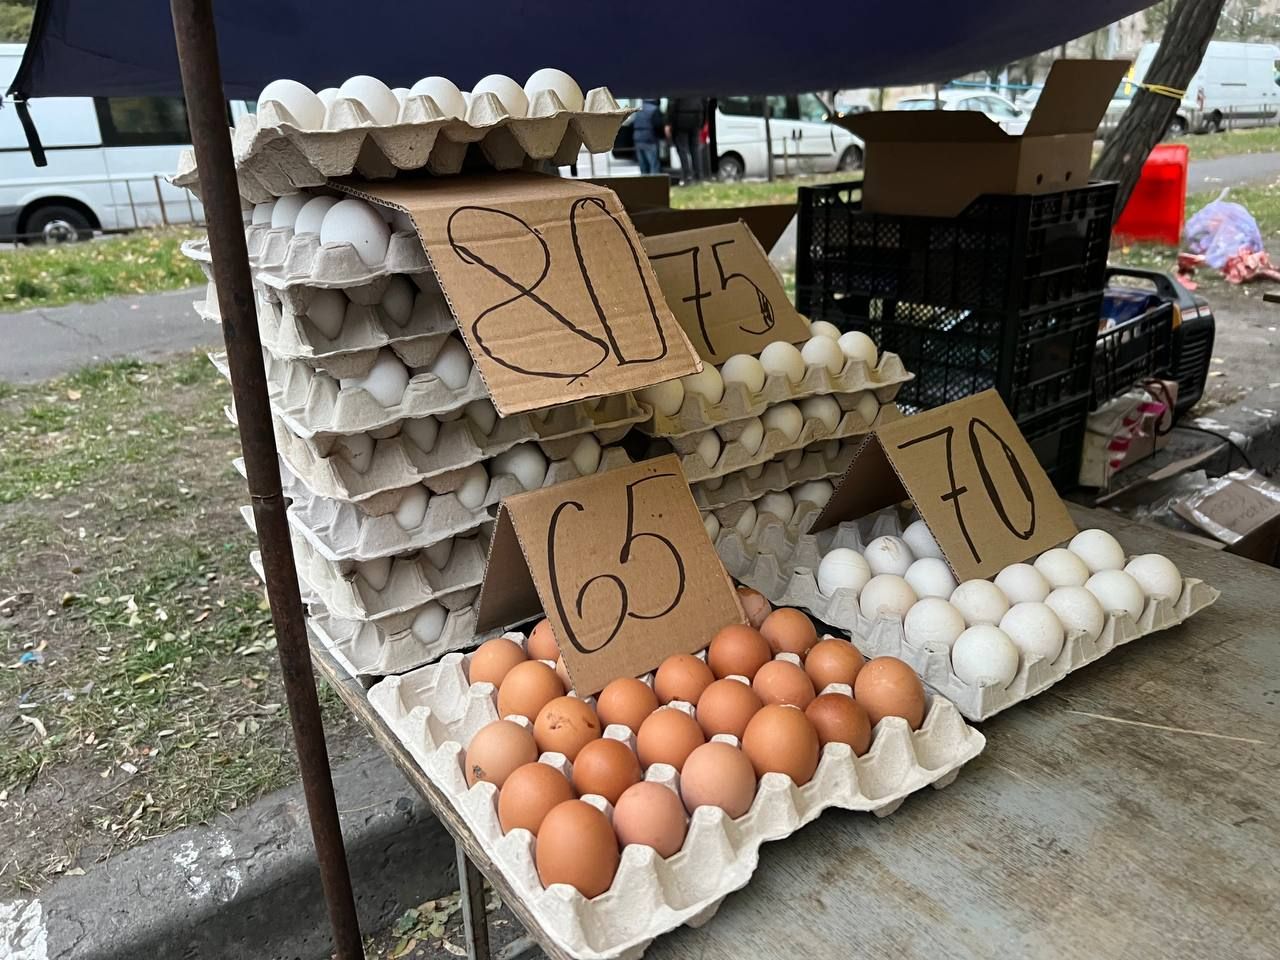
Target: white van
108	158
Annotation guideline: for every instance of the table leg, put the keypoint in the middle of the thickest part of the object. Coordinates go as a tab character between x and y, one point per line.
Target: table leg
474	920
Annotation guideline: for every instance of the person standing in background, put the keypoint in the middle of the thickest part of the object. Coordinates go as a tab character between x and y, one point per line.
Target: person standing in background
686	117
647	131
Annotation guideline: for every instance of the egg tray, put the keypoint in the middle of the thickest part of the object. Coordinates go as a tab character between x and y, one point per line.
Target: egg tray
433	711
770	534
820	461
697	415
274	157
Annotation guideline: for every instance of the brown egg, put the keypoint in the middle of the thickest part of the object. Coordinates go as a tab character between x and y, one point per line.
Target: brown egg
887	687
576	845
738	650
493	659
755	605
681	676
566	725
789	631
839	719
606	768
542	642
718	775
528	794
781	739
726	707
527	688
563	673
833	660
781	681
496	750
668	735
626	701
651	814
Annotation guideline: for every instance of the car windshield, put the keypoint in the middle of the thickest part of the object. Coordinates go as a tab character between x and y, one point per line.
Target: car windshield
920	104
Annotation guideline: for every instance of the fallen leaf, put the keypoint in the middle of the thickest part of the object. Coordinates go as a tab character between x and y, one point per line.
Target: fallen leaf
73	394
35	722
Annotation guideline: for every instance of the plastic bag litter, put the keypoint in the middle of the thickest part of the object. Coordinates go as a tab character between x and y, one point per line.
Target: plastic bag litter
1221	230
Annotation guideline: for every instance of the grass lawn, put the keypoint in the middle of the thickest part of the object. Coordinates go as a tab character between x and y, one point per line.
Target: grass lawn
750	192
1252	140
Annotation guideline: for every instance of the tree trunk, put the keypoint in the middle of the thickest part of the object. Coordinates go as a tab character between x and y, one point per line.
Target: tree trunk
1186	37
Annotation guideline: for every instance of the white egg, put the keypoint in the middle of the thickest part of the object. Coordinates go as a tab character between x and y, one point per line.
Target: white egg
980	601
823	409
357	223
791	461
1034	629
842	569
327	96
1098	549
786	418
285	212
452	365
867	407
473	489
565	87
706	383
505	89
1156	575
752	435
586	455
262	212
1062	568
744	369
412	508
1118	592
886	595
386	381
375	96
856	345
708	448
357	450
327	309
1079	611
889	555
817	492
931	577
305	107
483	414
779	504
422	431
820	328
782	359
397	300
822	351
525	462
746	521
932	623
311	217
711	523
984	656
402	94
445	93
919	538
438	553
376	572
666	398
713	483
1023	583
428	625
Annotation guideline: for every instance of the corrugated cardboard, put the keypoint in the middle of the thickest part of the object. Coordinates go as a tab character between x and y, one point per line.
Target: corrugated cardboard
1240	510
767	221
724	291
549	284
936	162
621	565
968	470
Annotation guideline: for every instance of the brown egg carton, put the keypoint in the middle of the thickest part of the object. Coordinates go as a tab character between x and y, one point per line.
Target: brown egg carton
697	416
820	461
435	712
274	157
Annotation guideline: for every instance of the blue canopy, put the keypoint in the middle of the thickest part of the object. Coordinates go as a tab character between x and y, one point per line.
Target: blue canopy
706	47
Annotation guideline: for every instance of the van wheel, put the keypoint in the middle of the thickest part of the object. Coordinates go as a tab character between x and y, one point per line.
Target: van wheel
1215	124
851	159
52	224
731	168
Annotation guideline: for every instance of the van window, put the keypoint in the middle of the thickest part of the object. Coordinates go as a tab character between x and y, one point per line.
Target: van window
812	108
142	121
742	106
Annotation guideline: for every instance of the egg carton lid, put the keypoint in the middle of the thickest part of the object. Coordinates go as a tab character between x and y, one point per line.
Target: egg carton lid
697	416
275	157
434	712
820	461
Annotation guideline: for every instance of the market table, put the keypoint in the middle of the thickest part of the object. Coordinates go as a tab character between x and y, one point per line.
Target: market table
1129	811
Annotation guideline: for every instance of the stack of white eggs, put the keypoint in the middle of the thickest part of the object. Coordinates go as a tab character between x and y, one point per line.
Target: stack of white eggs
1028	610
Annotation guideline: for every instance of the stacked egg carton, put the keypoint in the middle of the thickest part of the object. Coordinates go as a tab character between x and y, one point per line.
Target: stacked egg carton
991	671
392	453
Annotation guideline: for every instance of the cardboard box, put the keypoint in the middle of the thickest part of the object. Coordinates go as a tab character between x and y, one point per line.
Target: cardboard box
1241	511
935	163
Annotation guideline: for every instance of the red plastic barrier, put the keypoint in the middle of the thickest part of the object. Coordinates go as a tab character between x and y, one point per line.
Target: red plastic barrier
1158	204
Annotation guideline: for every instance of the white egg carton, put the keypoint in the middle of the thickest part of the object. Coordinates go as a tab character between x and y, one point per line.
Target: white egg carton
274	157
769	534
697	416
821	461
793	584
434	712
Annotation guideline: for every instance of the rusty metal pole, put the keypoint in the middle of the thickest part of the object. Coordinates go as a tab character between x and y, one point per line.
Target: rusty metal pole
193	28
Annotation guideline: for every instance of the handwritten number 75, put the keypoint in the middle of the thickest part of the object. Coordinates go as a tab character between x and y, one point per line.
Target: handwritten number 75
767	316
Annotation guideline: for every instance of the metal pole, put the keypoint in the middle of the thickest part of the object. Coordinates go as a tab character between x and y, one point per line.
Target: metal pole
193	28
475	920
768	139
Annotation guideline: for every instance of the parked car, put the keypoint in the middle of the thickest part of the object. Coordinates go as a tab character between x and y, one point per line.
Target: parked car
108	158
997	108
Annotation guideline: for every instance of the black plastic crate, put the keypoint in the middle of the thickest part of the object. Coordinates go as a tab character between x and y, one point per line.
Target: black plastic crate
1056	437
1133	351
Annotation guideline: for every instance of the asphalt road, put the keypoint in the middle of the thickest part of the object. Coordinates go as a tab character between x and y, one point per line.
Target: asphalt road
1209	175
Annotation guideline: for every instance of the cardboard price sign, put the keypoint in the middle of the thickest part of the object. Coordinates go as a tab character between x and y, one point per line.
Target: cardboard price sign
620	563
724	291
549	284
969	471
